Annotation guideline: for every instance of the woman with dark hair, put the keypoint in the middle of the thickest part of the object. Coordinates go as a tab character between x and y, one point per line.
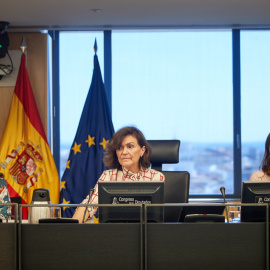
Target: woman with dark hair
264	173
128	155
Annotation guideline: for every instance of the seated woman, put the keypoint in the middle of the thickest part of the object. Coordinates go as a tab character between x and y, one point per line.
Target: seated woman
128	156
264	173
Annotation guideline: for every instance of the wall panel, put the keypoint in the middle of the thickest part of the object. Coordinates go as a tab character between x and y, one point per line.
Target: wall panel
36	62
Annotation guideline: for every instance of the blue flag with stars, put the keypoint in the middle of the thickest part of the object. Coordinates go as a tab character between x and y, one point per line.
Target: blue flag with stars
85	165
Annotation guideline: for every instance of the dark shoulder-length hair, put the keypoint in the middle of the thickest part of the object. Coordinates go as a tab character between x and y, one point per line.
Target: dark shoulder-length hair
110	158
265	165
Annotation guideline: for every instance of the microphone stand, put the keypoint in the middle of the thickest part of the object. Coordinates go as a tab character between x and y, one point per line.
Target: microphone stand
91	191
222	190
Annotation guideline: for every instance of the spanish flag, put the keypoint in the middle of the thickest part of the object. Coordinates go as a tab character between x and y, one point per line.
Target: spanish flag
25	157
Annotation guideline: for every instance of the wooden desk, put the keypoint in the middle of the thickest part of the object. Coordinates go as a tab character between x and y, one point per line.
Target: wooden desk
119	246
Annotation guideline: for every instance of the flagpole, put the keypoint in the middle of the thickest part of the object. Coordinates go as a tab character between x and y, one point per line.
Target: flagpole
24	145
85	162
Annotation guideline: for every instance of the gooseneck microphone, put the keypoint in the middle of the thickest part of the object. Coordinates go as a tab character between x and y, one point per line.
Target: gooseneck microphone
91	191
222	190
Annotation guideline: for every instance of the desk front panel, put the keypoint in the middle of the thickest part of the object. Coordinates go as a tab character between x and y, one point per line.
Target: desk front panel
206	246
80	246
8	246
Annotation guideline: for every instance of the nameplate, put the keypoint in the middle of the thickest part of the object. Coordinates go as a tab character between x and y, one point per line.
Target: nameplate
131	200
262	199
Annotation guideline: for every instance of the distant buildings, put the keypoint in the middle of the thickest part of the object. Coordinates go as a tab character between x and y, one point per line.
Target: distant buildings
210	166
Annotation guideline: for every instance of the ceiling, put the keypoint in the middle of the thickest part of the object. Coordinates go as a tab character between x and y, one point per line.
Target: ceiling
119	14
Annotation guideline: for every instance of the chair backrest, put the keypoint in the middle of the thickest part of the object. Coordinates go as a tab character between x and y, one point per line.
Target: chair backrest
176	182
163	152
17	200
176	190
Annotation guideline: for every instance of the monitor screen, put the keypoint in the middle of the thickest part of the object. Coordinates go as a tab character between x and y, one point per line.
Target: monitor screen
254	192
120	193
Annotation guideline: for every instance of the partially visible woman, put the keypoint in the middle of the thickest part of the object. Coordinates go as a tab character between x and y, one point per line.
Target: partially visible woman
264	173
128	155
5	211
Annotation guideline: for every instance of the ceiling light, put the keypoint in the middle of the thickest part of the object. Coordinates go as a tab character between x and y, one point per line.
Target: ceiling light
95	10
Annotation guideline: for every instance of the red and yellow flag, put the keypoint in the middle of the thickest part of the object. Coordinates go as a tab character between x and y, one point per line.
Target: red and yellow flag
25	156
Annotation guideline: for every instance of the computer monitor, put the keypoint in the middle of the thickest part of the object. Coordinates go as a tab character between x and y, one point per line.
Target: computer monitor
254	192
120	193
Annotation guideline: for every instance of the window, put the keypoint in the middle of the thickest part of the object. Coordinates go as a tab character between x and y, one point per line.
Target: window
178	85
76	69
255	96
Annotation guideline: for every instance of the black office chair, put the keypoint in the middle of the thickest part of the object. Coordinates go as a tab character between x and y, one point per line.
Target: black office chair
176	182
17	200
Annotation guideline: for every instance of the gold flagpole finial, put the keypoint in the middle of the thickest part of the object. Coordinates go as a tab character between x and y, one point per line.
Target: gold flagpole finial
23	45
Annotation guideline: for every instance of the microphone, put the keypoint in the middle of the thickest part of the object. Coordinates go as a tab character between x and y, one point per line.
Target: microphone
91	191
222	190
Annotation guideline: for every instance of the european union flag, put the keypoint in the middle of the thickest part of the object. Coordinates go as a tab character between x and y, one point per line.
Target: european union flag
85	165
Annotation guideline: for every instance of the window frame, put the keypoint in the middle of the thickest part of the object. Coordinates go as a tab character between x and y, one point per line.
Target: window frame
55	108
